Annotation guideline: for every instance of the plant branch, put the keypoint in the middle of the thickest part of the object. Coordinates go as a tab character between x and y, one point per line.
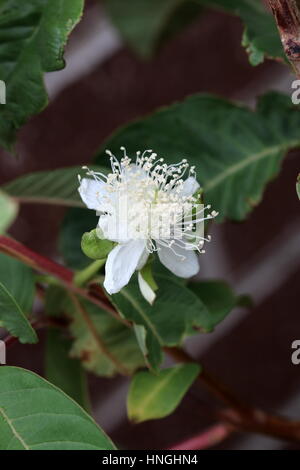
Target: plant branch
208	438
63	274
287	16
239	414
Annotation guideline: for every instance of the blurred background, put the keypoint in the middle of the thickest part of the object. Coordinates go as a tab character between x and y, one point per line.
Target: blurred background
104	86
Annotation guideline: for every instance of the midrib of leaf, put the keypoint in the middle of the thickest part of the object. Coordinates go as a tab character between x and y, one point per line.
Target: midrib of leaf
13	429
140	311
233	169
97	337
157	389
48	200
26	324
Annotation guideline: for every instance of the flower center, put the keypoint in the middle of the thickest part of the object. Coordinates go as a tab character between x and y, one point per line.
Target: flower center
146	199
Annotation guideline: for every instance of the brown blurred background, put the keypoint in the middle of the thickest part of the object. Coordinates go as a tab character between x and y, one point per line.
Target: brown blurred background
104	86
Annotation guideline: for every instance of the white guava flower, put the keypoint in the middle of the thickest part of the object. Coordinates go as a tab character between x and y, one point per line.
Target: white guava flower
146	206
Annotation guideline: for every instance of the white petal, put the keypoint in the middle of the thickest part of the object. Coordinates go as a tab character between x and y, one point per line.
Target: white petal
91	192
146	290
121	263
113	229
182	268
143	260
190	186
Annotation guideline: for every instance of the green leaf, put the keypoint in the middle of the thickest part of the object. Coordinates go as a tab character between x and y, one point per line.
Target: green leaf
156	396
104	345
95	247
33	36
18	280
54	301
260	37
219	299
76	222
8	211
64	372
145	23
35	415
176	313
236	151
298	186
58	187
13	319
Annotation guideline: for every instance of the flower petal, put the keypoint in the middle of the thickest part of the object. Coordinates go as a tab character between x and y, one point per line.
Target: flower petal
121	263
190	186
143	260
91	191
146	290
182	268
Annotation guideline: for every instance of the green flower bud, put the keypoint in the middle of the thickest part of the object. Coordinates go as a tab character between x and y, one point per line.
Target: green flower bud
94	247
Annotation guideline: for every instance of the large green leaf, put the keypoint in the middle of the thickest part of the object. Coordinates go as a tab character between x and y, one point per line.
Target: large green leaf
33	35
64	372
236	151
176	313
153	396
8	211
143	23
35	415
13	319
59	187
260	37
219	299
18	280
104	345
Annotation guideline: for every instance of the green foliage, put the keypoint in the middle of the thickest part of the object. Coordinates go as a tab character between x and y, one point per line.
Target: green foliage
18	280
16	298
104	345
144	23
176	313
95	247
13	319
33	36
35	415
153	396
64	372
219	299
58	187
260	36
76	222
236	151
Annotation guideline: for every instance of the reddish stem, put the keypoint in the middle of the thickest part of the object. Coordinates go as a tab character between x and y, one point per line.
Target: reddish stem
65	275
209	438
